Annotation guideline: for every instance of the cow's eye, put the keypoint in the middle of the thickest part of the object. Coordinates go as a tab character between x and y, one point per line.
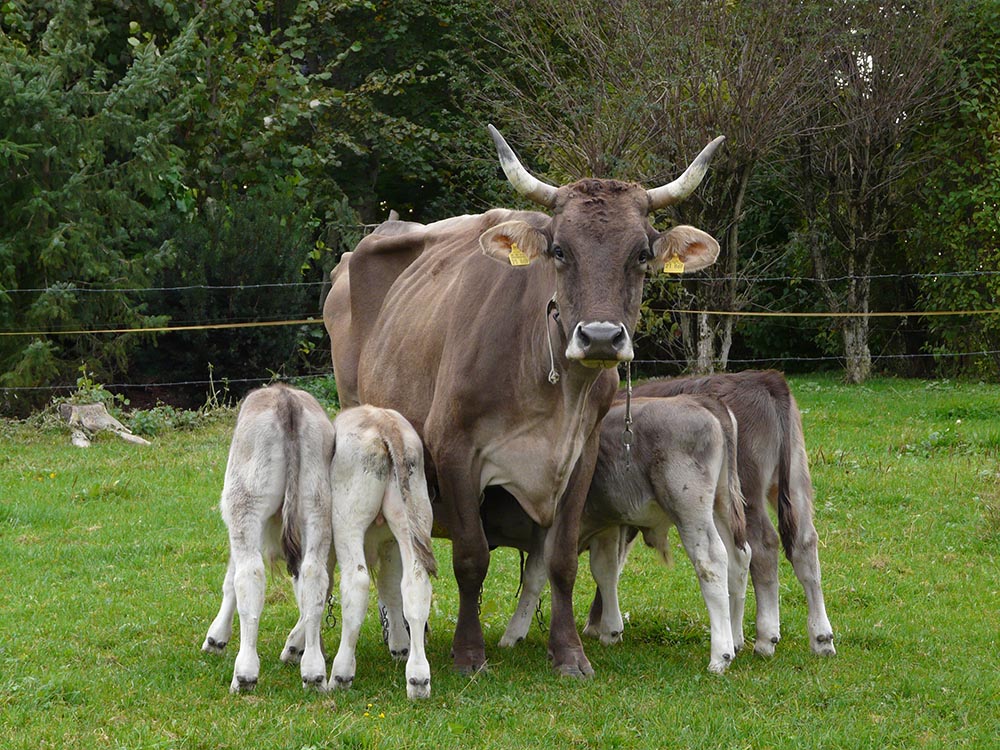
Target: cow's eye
643	257
557	253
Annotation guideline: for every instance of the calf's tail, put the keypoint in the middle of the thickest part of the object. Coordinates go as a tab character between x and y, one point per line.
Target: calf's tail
403	465
737	503
788	522
290	418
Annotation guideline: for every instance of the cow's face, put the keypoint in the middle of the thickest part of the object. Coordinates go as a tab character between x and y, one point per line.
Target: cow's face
602	246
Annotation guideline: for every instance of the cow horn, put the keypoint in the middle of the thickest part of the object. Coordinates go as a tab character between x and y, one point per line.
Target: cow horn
523	181
683	186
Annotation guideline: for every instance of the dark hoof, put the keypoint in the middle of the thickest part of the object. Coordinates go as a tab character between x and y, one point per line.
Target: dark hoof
314	682
212	646
824	645
574	670
470	669
469	662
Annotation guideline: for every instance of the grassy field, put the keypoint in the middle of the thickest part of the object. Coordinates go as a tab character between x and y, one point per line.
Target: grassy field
112	561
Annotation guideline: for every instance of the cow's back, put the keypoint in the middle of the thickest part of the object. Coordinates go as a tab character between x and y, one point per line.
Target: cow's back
447	323
360	282
759	399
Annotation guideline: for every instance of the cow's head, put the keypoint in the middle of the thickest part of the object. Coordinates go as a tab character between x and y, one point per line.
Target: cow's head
602	246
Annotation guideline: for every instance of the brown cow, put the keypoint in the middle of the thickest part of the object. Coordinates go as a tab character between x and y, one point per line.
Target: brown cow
504	370
772	465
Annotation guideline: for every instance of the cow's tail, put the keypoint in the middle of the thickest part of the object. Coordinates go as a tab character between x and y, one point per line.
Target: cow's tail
788	522
290	419
737	503
403	464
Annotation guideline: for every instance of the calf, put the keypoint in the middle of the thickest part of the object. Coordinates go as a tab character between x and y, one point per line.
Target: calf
681	472
382	511
773	467
293	479
276	504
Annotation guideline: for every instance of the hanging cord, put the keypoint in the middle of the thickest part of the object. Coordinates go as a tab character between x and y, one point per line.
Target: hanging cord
627	432
553	373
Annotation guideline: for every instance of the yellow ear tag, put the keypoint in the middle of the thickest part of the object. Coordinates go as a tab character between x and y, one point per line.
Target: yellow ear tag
674	265
517	256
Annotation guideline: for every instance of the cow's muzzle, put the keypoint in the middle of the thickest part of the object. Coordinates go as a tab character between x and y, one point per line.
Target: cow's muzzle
600	344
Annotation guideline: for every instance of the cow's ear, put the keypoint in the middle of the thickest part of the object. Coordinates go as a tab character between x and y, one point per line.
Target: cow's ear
514	242
684	249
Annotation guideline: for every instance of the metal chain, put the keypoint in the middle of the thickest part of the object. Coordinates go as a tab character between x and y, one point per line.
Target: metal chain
627	433
331	612
540	617
520	575
383	617
553	373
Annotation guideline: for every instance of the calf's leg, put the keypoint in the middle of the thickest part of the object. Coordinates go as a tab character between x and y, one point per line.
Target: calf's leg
354	586
249	583
390	599
705	547
764	543
221	629
805	559
604	558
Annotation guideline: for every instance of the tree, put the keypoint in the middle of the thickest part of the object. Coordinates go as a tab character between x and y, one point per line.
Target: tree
952	230
883	85
635	89
89	163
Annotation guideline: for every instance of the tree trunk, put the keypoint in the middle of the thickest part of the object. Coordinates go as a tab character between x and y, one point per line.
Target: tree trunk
856	352
726	341
705	363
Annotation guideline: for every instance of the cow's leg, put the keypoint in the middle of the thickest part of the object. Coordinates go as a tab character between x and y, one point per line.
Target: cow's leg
221	629
312	587
416	588
295	643
249	583
738	567
561	555
413	586
533	581
390	599
604	557
470	557
704	545
626	540
355	582
805	558
764	544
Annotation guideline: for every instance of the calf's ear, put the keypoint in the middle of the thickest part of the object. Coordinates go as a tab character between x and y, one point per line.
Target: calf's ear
514	242
684	249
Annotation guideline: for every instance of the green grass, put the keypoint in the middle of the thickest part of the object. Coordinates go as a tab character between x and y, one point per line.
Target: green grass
112	561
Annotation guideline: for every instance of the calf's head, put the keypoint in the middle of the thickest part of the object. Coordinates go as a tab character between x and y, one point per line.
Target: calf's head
602	245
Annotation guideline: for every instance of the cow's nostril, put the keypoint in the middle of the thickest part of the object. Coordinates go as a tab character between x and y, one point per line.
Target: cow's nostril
621	338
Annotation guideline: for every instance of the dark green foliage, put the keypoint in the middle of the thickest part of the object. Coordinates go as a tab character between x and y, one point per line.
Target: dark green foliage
151	144
956	217
89	166
147	145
